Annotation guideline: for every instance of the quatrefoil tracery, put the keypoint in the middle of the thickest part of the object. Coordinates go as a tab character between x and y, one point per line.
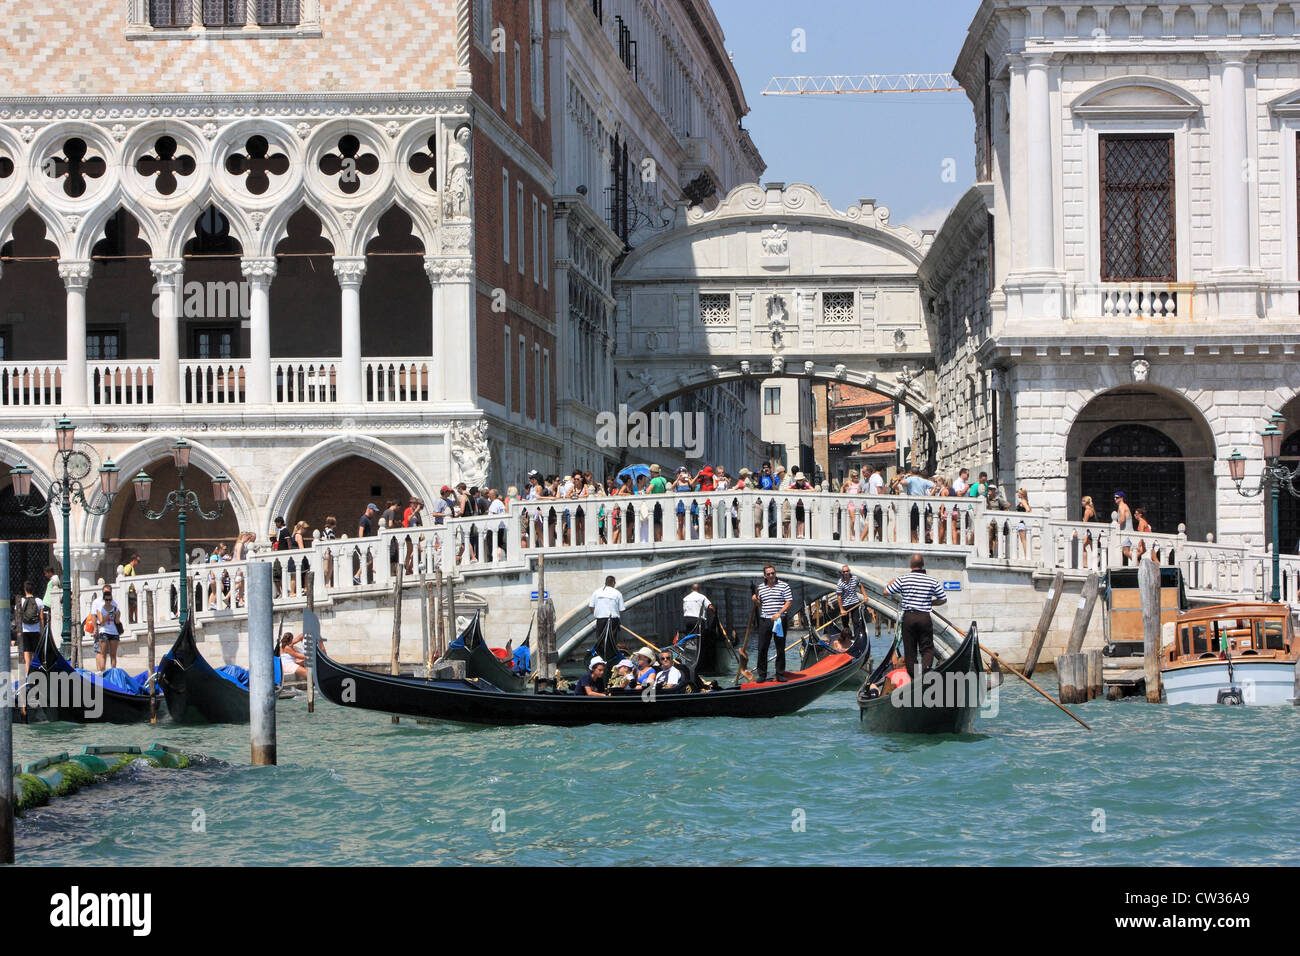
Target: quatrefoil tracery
256	162
349	163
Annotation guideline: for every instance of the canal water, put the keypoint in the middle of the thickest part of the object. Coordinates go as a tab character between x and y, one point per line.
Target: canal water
1149	784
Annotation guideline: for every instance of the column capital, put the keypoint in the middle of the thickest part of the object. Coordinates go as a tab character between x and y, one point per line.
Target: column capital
349	270
166	272
259	270
75	273
438	268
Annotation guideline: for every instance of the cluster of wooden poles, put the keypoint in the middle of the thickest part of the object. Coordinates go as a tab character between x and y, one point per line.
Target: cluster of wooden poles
1080	673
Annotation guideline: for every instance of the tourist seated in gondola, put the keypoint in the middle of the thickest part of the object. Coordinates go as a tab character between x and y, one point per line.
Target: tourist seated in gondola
624	675
293	662
645	668
670	676
896	677
592	683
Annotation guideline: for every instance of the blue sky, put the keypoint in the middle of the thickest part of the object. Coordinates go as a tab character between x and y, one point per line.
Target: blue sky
891	147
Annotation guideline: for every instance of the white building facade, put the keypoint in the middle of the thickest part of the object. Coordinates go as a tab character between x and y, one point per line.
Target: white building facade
652	121
1116	303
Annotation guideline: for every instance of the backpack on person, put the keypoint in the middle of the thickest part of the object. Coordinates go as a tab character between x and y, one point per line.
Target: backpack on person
31	611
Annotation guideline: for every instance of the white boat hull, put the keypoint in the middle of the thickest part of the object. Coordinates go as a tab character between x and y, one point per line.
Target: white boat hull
1252	683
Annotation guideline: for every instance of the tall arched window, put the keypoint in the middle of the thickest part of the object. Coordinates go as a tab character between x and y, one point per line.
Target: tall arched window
1146	465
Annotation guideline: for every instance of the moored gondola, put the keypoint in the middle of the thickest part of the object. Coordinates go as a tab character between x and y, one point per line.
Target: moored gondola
58	691
476	701
197	692
480	662
944	700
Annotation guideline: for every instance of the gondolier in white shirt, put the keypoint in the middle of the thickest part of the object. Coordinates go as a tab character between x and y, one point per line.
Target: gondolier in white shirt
918	593
607	607
852	598
773	598
694	608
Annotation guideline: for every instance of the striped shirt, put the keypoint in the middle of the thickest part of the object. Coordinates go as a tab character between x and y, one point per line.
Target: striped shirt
772	598
848	592
919	591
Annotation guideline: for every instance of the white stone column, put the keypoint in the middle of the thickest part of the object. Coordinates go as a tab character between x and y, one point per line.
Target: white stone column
76	277
168	282
259	273
455	349
1038	142
350	272
1234	215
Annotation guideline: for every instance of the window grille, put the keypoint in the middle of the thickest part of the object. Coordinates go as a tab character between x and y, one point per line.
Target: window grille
1137	208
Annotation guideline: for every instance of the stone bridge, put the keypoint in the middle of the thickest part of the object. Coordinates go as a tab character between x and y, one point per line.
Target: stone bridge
775	282
998	565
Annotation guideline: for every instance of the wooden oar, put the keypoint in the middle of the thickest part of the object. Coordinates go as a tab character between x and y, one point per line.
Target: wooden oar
741	670
1057	703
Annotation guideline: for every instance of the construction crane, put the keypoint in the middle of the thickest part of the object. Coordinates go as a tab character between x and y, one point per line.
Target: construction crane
862	83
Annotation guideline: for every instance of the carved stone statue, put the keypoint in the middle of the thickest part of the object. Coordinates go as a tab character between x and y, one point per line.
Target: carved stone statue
809	367
1141	369
776	241
841	371
470	453
778	365
460	175
744	367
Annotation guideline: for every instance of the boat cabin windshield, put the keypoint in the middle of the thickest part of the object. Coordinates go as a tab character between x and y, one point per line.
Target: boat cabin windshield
1235	635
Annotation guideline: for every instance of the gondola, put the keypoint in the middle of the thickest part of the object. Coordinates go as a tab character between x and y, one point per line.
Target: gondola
944	701
476	701
197	692
58	691
817	648
479	660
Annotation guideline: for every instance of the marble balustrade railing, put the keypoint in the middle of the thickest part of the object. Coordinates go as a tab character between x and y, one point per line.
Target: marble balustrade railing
768	522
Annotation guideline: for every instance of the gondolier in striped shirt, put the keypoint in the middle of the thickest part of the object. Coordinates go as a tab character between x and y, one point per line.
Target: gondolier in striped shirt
918	593
773	598
852	598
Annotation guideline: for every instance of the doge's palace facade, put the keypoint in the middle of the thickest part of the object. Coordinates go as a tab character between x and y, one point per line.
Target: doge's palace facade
253	224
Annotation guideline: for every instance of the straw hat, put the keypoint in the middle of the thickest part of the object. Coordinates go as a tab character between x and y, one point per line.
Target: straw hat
645	652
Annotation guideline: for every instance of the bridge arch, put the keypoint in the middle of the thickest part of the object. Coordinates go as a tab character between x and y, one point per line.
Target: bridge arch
577	627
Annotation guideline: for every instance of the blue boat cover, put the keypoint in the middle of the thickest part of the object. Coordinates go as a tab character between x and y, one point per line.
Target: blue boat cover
119	680
239	675
235	674
523	660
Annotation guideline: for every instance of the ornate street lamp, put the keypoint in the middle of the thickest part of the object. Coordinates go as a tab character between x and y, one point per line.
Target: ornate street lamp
72	467
183	501
1275	477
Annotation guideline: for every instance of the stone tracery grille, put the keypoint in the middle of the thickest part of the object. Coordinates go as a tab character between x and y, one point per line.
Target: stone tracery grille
837	308
715	308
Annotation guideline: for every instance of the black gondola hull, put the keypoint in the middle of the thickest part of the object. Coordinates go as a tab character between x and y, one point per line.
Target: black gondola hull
462	702
195	692
68	696
945	701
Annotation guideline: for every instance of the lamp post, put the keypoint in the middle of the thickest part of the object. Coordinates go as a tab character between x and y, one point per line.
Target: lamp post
71	468
1275	477
183	500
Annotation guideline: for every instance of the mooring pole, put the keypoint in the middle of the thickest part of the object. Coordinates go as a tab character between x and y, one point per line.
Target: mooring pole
439	632
6	721
1149	591
261	671
397	625
309	586
453	633
424	621
153	663
1044	622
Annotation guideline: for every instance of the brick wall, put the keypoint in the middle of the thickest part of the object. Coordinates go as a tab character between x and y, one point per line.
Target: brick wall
365	45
